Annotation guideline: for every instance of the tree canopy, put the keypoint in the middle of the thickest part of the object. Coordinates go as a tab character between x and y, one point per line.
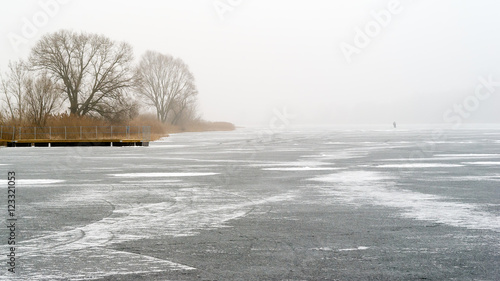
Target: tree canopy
167	84
92	75
92	70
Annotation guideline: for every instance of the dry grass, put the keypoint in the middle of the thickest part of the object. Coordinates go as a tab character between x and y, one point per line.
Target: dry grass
158	129
62	120
205	126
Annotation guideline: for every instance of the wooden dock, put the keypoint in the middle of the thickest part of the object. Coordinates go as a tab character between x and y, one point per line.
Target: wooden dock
118	136
64	143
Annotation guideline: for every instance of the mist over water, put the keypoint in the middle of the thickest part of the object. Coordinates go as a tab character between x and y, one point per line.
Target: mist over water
339	62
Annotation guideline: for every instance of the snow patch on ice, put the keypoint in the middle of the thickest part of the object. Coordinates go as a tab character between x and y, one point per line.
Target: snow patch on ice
339	155
156	145
96	262
153	181
295	166
442	157
188	211
29	182
161	175
468	155
360	248
291	164
420	165
326	249
463	178
298	169
352	177
483	163
375	188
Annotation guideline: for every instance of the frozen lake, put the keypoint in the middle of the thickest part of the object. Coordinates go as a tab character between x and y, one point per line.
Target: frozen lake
260	205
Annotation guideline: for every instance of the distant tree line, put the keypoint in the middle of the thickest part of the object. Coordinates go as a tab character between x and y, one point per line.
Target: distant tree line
85	74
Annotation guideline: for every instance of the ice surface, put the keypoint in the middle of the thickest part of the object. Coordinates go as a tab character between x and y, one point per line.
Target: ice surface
34	182
291	164
188	211
377	188
161	175
353	177
468	155
298	169
486	163
96	201
445	157
420	165
360	248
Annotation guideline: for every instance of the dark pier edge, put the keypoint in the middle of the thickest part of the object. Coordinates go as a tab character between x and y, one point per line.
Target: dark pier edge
70	143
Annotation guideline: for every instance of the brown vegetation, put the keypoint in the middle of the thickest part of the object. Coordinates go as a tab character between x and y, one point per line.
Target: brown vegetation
158	129
203	126
82	80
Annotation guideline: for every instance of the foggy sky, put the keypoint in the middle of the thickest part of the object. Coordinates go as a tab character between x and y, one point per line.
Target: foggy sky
324	62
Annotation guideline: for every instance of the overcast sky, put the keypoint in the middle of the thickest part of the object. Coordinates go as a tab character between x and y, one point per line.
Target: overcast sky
325	62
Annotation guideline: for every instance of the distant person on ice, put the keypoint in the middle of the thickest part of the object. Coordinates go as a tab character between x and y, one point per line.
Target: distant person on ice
394	124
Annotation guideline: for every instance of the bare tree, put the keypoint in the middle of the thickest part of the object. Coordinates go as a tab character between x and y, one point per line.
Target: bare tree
119	110
13	84
93	70
167	84
28	99
41	99
184	110
3	112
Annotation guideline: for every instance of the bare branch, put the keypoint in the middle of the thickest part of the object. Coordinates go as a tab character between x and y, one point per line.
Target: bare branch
94	70
167	84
